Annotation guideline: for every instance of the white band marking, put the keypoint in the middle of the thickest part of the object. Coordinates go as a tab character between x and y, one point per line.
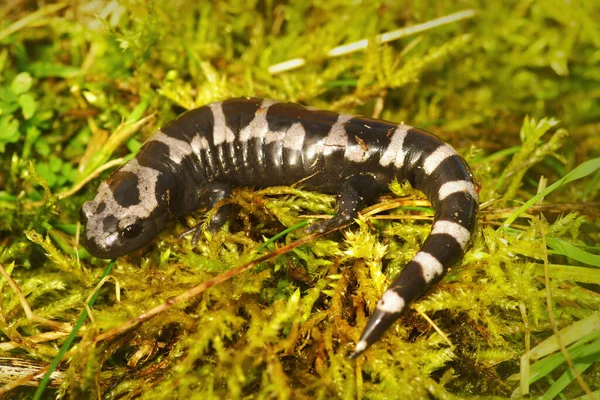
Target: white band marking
337	138
356	153
199	143
457	231
258	127
178	149
394	152
452	187
221	132
360	347
430	266
391	302
437	157
294	137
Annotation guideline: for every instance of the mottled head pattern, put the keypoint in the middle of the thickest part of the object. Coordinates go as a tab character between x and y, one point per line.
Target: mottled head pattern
125	215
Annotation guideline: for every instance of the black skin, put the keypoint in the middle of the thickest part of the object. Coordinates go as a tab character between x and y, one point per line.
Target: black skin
203	179
356	190
214	193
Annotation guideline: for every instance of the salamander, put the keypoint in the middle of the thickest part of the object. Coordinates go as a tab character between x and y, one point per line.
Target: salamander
196	159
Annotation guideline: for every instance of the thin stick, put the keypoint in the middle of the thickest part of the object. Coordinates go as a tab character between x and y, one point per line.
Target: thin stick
18	292
22	381
96	289
29	19
437	328
78	186
28	313
41	338
381	38
196	290
93	175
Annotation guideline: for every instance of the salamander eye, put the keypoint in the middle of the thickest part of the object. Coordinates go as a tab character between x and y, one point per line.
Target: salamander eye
132	231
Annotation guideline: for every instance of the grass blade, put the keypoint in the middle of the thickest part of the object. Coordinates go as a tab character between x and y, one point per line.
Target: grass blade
69	341
581	171
573	252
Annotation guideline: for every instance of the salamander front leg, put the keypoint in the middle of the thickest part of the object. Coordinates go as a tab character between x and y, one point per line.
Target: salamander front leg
355	191
214	192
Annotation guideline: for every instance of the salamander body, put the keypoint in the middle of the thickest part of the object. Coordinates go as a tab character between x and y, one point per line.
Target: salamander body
194	161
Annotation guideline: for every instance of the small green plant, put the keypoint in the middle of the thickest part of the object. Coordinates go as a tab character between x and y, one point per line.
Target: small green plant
258	309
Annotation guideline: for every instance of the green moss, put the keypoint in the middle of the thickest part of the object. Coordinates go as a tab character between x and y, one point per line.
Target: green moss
514	89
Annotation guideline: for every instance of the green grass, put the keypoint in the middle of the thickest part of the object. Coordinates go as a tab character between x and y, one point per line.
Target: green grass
513	86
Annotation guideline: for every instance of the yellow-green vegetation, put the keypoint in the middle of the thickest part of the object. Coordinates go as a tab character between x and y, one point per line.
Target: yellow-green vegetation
514	86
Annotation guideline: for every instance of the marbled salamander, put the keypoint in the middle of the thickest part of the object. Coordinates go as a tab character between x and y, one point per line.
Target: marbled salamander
194	160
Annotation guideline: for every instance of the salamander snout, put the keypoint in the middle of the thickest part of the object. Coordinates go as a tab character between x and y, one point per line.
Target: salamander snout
108	235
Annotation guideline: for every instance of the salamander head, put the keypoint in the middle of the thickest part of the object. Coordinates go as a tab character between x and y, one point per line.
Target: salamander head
126	214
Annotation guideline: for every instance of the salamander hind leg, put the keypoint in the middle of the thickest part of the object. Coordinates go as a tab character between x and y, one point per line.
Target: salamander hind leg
354	192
